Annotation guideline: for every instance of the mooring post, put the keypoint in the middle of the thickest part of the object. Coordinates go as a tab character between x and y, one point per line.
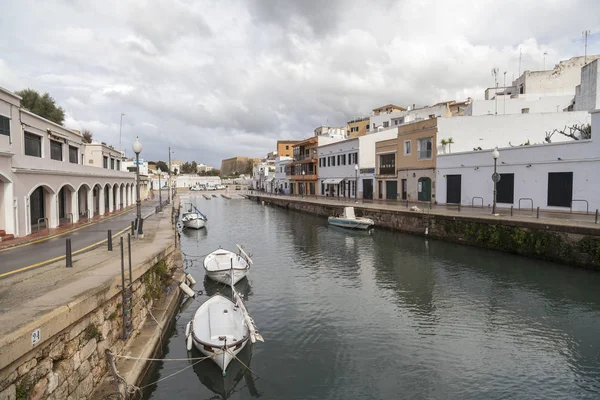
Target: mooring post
458	207
596	216
69	255
538	212
109	240
123	292
132	227
511	210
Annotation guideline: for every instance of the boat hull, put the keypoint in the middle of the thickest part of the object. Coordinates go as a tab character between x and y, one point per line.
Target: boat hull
220	356
351	223
224	276
197	223
219	264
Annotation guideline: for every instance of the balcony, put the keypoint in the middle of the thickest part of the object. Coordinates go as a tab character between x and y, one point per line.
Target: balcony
424	155
387	171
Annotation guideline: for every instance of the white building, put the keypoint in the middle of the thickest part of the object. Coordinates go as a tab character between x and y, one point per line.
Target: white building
188	180
203	168
281	181
131	166
551	176
103	156
263	175
587	94
332	132
44	178
338	162
386	120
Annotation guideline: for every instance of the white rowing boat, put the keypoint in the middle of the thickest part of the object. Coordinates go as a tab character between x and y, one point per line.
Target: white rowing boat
350	221
220	263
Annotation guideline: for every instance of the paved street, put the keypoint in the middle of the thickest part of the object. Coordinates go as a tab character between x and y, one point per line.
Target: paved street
35	253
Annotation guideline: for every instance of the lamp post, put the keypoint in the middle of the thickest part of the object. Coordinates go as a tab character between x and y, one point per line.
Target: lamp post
356	183
169	185
120	130
303	182
137	149
495	177
159	191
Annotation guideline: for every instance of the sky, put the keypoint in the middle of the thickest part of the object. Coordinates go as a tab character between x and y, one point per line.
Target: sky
217	79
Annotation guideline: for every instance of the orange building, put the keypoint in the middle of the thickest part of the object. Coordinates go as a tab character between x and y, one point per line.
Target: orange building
285	148
302	172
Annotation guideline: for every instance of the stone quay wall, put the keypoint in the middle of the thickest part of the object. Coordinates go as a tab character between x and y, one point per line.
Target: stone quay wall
71	364
553	241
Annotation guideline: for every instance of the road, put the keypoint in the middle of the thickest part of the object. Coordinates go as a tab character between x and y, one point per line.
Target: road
35	253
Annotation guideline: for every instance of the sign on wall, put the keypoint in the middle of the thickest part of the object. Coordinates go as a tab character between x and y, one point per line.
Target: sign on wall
36	336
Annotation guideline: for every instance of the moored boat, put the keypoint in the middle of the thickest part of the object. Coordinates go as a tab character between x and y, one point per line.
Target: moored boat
194	219
350	221
221	264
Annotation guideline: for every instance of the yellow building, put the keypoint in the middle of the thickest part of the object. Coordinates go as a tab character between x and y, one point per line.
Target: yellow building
238	165
386	174
285	148
358	127
389	108
302	172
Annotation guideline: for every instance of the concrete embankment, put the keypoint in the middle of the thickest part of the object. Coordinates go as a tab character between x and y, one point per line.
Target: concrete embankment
53	345
562	241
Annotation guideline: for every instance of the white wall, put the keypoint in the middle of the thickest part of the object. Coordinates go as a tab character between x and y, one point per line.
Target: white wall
184	181
531	165
587	94
489	131
506	105
409	116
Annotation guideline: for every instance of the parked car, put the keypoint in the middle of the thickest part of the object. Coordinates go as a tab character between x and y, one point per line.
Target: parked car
238	187
219	187
211	188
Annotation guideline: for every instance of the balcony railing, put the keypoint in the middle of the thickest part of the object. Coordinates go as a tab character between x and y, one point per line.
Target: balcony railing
425	154
387	171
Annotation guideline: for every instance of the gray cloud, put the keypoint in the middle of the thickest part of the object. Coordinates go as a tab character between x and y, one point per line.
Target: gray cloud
217	79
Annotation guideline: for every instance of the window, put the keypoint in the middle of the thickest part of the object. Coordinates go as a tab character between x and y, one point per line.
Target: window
505	189
118	165
425	148
338	160
367	126
55	150
407	148
560	189
105	162
329	161
333	161
387	164
355	158
386	124
4	125
287	147
344	159
33	145
73	154
112	163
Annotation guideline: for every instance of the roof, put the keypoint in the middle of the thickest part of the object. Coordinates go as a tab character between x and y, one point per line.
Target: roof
8	92
388	106
311	140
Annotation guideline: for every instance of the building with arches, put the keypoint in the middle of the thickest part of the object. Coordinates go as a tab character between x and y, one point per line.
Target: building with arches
45	180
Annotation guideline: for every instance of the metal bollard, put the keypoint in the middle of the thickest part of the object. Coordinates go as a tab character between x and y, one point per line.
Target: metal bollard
458	207
109	240
140	226
538	213
132	227
69	255
596	216
511	210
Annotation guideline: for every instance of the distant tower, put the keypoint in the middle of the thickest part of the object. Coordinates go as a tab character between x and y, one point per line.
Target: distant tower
585	35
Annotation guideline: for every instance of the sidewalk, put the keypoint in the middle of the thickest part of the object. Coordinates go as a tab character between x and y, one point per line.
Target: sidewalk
546	217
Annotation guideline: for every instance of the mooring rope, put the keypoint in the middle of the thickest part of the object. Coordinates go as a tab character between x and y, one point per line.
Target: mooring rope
160	359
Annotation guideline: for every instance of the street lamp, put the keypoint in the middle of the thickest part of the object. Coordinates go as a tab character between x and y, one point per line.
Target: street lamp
137	149
495	177
169	185
159	191
356	183
120	130
303	182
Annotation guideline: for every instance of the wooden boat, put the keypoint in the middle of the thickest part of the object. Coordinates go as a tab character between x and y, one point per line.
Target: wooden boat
194	219
220	263
221	328
350	221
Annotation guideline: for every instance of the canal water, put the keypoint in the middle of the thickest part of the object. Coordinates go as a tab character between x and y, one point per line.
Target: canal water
347	315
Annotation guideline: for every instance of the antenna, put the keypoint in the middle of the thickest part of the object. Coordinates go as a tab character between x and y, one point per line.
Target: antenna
495	74
520	57
545	54
585	35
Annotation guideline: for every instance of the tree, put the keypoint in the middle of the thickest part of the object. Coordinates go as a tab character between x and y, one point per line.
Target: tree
43	105
194	167
576	132
87	136
162	166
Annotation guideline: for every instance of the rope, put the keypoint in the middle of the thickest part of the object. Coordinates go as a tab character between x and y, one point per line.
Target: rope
161	359
173	374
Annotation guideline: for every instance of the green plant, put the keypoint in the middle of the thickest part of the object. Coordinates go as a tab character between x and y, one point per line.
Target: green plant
23	390
113	315
155	279
92	332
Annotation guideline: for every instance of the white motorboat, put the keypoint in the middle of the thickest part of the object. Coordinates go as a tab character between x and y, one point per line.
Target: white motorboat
194	219
221	328
221	264
350	221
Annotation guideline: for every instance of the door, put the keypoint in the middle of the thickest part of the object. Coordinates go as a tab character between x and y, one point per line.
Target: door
391	190
404	189
560	189
424	189
380	191
505	189
36	205
62	203
367	189
453	189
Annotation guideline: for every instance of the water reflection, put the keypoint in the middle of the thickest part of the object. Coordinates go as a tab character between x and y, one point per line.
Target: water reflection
238	378
243	287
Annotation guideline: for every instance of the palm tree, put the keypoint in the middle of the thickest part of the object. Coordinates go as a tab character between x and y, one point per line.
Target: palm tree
444	142
450	141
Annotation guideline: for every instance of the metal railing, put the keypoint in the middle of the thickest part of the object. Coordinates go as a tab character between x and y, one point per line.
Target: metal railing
587	205
525	198
47	224
473	201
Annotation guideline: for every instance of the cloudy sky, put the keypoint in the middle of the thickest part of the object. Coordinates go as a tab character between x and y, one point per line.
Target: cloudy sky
215	79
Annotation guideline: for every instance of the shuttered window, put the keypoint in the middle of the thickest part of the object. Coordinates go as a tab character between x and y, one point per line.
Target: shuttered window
55	150
73	154
4	125
33	145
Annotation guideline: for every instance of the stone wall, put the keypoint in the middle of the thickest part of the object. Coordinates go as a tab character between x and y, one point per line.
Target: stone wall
72	363
566	244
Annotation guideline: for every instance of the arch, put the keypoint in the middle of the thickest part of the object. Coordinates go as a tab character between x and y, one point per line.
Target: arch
7	217
85	201
97	199
66	204
44	185
115	196
107	198
5	179
88	187
42	209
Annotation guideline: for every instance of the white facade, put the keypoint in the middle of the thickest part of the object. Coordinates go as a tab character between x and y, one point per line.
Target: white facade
100	155
338	161
519	104
331	132
394	119
489	131
203	168
44	177
531	166
587	94
186	181
263	175
130	166
281	181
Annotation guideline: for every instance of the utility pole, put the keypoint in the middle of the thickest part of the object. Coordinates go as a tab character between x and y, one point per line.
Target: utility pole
545	54
504	92
495	73
169	189
585	35
120	130
520	57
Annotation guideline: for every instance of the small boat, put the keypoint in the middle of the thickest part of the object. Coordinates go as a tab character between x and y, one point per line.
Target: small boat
221	328
350	221
194	219
221	263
